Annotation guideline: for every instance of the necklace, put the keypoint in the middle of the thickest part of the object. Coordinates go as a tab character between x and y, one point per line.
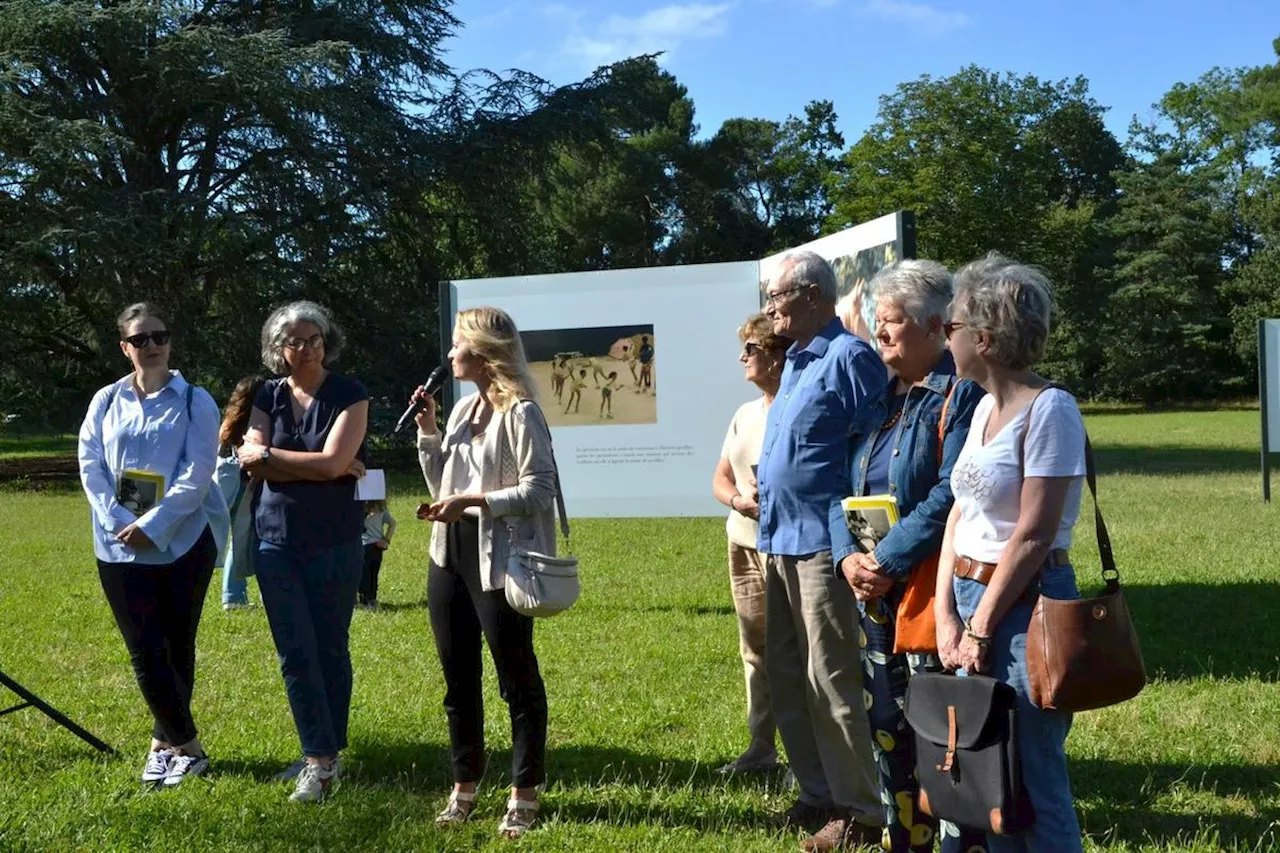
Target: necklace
897	415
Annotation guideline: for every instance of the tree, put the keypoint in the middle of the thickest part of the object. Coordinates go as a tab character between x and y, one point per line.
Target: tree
998	162
1167	331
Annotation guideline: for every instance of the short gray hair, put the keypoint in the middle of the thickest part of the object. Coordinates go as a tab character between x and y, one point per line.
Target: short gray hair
810	268
289	314
1009	301
923	289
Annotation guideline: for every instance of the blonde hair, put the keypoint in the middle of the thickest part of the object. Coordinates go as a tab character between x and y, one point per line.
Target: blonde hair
493	336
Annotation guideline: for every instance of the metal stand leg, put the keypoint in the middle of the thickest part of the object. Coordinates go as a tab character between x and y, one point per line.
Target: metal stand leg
31	700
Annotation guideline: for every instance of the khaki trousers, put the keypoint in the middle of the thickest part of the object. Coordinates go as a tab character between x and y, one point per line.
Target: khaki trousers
746	575
815	676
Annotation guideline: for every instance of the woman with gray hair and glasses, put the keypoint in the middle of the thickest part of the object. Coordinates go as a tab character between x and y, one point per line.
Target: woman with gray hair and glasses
1017	487
904	444
306	443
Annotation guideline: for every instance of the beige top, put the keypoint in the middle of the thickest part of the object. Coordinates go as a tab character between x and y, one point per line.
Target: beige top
742	448
522	497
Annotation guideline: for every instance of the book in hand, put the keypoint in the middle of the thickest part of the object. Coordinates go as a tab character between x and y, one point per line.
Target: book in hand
138	490
869	518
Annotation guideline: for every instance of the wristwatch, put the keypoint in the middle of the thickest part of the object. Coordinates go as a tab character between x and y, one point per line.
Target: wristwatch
266	455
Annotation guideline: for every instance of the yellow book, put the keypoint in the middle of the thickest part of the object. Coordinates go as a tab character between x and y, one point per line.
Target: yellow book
869	518
138	490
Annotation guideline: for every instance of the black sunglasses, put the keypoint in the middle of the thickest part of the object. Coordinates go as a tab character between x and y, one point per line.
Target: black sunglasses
949	329
751	348
139	340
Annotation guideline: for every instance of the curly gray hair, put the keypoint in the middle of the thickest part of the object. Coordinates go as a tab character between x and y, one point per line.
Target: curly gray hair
1011	302
921	288
289	314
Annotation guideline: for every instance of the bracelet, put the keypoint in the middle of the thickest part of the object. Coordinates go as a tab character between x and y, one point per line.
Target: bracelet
983	642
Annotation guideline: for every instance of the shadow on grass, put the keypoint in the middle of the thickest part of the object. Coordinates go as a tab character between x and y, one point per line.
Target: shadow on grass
1172	459
1117	802
685	609
594	783
1192	631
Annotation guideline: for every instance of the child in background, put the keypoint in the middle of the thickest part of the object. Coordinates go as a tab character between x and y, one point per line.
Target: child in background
575	394
606	395
236	487
379	527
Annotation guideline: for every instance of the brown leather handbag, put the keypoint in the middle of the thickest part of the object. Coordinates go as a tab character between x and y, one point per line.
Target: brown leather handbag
1083	653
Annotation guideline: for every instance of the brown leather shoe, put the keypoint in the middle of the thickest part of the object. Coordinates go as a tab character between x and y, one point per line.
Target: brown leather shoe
830	837
863	835
843	833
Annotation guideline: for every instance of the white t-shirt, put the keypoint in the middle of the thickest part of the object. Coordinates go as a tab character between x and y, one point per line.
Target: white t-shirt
465	461
987	479
742	448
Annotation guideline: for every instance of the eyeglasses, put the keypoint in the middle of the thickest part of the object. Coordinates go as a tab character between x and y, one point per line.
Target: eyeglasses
139	340
772	298
750	348
296	344
949	329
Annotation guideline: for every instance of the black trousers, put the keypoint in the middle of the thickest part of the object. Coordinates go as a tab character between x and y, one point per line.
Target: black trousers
157	609
461	612
369	577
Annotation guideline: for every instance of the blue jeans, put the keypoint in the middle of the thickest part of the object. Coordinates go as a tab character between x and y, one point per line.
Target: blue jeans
234	590
1042	734
309	598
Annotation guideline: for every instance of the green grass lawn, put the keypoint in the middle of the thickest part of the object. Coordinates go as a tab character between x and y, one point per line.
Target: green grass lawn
645	687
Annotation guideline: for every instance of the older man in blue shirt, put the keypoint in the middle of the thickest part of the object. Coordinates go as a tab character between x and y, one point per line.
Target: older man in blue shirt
812	619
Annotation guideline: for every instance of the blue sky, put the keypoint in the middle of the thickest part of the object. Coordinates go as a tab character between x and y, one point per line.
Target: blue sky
767	58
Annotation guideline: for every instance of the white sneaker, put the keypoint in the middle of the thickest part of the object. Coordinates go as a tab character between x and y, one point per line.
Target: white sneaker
314	783
157	766
184	766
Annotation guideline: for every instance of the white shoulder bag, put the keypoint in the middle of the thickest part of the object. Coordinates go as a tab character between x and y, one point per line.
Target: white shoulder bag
538	584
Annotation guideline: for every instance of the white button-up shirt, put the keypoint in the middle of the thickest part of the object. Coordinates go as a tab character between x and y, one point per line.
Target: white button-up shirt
152	433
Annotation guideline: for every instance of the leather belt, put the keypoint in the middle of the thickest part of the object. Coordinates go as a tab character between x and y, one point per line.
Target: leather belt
976	570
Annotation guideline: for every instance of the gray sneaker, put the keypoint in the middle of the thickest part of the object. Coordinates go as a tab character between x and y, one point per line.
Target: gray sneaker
184	766
157	766
314	783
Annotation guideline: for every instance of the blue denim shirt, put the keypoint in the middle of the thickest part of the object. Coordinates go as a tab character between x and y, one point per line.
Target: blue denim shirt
921	485
804	462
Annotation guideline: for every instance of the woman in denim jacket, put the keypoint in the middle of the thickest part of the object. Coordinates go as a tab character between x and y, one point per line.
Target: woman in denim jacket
896	451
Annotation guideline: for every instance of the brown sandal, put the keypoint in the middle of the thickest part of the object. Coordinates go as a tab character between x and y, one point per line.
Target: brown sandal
520	817
454	813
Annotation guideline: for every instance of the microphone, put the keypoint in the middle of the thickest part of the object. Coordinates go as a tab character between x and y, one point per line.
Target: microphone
431	386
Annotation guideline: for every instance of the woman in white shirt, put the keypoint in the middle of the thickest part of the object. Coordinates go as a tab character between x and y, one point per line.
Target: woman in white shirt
147	449
762	356
493	479
1017	487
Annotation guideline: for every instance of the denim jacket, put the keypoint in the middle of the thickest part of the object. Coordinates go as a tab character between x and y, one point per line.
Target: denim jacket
921	485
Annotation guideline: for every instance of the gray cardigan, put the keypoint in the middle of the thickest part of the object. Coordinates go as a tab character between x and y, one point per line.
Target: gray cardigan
522	499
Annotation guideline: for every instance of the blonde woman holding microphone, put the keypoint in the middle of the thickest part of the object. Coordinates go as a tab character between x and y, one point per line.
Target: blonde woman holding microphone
493	481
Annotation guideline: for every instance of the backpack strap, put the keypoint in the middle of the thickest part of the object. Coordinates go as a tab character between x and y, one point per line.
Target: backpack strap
942	418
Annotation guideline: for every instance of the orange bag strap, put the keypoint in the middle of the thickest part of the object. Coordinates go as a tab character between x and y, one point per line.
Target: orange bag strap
942	419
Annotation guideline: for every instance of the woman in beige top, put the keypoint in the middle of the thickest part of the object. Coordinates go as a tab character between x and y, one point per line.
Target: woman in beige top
734	485
493	478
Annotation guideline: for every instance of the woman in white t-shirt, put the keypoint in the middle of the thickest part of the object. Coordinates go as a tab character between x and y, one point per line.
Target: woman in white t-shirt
734	485
1017	489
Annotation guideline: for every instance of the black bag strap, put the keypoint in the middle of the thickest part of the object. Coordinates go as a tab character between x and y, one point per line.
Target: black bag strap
1110	574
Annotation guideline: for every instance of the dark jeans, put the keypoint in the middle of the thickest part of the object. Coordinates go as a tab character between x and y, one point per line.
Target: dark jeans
309	598
460	612
157	609
369	579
